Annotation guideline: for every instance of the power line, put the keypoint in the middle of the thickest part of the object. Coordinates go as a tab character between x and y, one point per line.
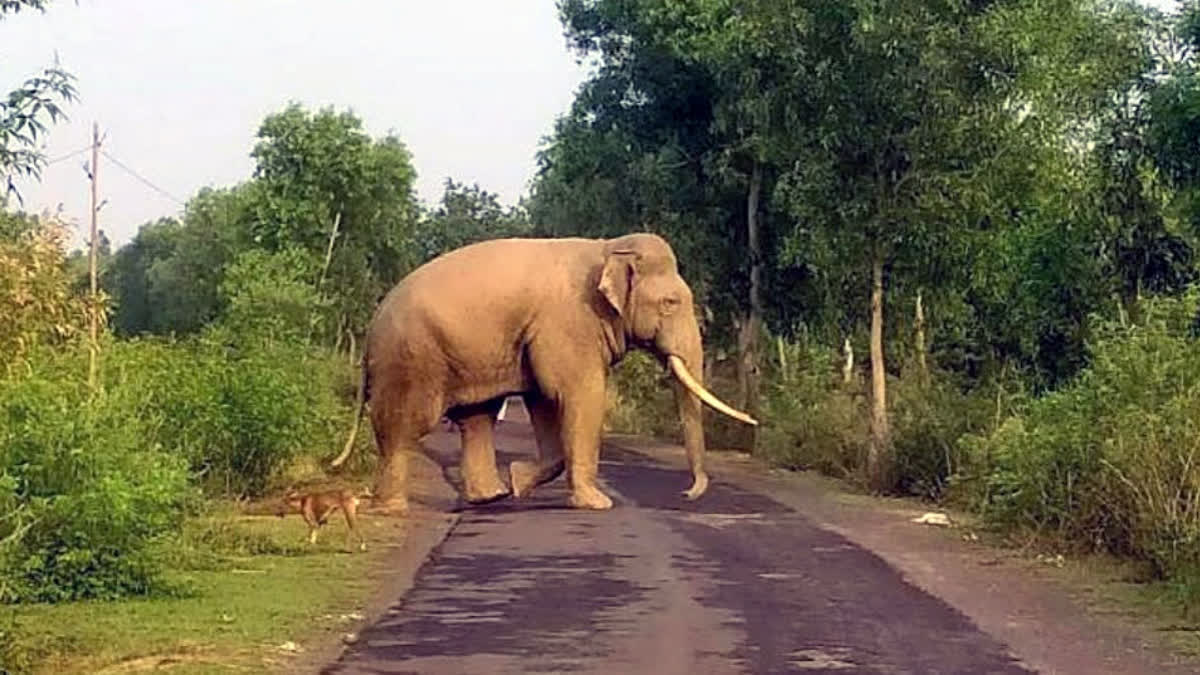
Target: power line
65	157
138	176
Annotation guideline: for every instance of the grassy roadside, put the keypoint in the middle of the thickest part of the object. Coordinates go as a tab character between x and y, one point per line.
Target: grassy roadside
246	609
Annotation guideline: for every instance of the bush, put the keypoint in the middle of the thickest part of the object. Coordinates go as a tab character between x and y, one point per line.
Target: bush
35	289
640	399
1112	461
85	493
237	414
271	296
810	420
928	419
90	482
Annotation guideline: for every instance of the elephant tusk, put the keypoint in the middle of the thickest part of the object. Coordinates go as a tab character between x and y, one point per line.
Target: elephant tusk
681	372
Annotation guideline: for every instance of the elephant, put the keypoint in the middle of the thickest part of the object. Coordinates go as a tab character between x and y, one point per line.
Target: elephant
541	318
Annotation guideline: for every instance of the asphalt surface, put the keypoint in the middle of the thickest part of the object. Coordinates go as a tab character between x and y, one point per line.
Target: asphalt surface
732	583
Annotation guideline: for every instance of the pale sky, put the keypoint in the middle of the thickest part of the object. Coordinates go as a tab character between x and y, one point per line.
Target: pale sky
180	87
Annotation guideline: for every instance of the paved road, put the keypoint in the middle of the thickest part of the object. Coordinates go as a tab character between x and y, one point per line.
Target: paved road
734	583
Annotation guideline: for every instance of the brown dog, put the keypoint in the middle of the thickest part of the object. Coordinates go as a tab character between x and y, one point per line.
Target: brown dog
315	508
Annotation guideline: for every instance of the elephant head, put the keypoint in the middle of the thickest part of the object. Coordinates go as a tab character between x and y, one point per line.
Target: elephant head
653	310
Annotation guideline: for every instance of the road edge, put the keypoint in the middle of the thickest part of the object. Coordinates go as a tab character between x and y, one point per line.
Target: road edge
425	530
1011	601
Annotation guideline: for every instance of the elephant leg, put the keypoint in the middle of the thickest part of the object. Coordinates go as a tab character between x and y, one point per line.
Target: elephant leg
550	460
481	480
391	484
398	432
581	424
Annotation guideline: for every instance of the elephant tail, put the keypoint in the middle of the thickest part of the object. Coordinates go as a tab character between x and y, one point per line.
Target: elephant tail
359	405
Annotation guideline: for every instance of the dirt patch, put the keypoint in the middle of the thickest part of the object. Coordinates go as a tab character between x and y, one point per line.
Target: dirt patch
159	662
1013	598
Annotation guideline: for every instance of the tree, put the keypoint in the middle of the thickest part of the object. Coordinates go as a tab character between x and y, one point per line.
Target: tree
649	144
328	189
467	214
26	110
1173	134
127	276
929	115
269	296
167	280
36	303
857	151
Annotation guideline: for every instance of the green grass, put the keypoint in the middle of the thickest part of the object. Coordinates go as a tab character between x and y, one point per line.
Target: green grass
234	617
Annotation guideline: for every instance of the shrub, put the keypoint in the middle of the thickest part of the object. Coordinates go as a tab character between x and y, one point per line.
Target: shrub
810	420
238	414
640	400
36	303
85	492
929	416
271	296
90	482
1111	461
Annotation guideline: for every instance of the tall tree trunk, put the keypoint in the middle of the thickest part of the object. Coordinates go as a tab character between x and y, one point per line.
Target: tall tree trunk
334	232
341	330
333	235
848	365
922	367
1131	298
879	454
748	328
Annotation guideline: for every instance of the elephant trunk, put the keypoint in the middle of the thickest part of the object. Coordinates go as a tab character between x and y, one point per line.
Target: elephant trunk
691	417
685	365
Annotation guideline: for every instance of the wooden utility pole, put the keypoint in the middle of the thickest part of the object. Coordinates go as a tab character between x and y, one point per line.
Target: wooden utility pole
94	346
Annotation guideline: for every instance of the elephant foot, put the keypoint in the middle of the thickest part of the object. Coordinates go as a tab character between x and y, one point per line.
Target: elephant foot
487	499
524	478
390	506
589	498
487	494
699	486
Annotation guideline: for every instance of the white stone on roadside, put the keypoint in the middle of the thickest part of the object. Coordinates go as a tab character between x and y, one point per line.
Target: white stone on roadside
932	518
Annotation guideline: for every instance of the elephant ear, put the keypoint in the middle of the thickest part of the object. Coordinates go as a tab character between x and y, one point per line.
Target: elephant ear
616	280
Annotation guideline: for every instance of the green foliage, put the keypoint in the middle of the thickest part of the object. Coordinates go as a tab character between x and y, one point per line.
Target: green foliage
36	301
87	491
167	280
128	277
329	189
640	400
929	417
1109	461
323	191
467	214
91	485
811	420
268	296
26	111
237	411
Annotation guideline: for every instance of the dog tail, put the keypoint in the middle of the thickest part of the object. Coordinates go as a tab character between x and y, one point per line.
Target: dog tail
360	404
